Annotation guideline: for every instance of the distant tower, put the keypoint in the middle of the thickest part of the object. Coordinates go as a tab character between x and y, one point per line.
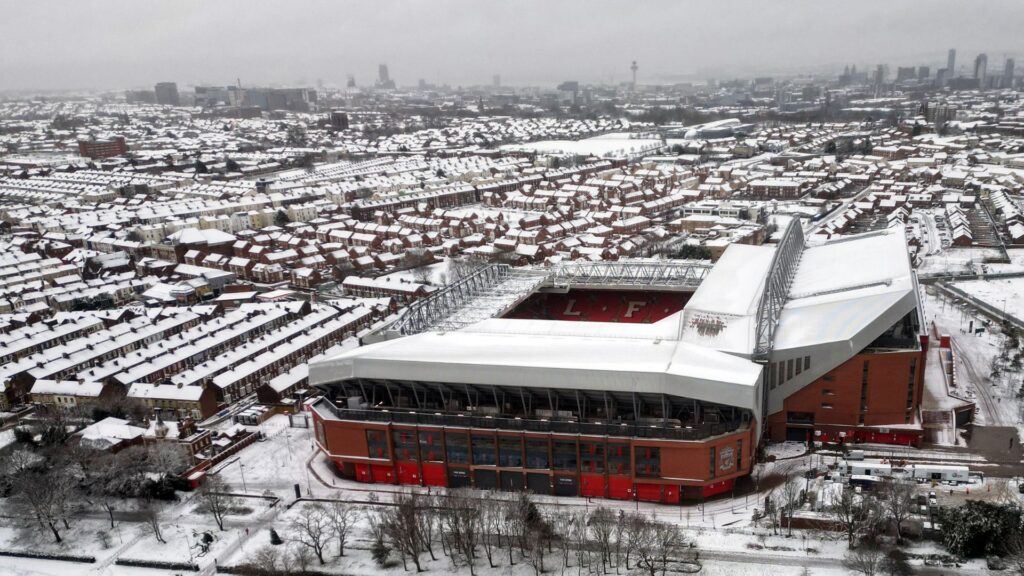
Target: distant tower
351	83
981	70
1008	73
167	93
382	74
633	69
951	63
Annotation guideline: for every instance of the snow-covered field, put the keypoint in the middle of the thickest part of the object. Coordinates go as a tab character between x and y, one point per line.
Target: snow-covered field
1006	294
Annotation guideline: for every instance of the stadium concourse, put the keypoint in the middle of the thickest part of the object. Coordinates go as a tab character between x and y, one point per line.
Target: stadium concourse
659	394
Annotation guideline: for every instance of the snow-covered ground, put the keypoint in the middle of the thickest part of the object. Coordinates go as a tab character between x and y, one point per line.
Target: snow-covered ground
965	260
727	538
975	355
1005	294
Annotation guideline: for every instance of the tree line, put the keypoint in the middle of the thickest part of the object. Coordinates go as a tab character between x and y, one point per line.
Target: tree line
472	530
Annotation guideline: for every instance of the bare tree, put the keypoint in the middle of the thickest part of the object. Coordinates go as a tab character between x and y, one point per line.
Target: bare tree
218	502
602	525
166	458
865	560
578	535
427	520
897	497
151	512
461	523
791	498
299	558
533	545
491	522
342	517
646	539
402	529
46	494
1013	546
637	535
312	529
851	514
267	560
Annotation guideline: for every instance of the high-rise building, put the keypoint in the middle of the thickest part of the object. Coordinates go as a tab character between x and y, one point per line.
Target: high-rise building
384	78
1008	73
981	70
923	72
167	93
905	73
951	63
633	68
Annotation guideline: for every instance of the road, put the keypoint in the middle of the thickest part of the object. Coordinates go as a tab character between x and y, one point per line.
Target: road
979	378
934	240
764	559
837	210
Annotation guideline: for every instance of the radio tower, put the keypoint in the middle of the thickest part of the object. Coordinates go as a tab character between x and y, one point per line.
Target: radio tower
634	68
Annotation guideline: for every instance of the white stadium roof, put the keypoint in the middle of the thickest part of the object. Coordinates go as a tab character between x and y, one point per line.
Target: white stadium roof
534	354
844	294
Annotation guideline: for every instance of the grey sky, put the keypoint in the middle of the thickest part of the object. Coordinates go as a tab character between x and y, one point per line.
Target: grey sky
49	44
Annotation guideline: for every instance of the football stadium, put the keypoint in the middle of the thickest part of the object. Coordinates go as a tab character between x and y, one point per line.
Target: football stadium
637	379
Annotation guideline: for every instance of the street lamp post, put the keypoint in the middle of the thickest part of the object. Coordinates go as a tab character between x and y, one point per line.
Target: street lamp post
241	468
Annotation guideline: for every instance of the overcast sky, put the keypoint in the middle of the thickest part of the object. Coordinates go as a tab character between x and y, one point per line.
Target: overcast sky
49	44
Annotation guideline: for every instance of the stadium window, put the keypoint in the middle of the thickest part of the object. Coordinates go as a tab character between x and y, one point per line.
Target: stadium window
826	405
457	448
563	455
377	443
648	461
827	392
592	457
618	458
739	454
807	363
484	450
799	367
537	453
431	448
711	467
405	444
771	376
510	451
789	369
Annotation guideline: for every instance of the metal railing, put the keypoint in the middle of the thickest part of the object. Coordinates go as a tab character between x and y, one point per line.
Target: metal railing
698	432
776	287
679	274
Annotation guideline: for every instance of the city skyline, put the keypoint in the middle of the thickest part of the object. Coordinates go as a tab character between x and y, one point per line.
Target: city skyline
125	45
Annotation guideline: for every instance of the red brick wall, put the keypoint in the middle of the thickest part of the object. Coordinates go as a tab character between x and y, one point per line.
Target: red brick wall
888	376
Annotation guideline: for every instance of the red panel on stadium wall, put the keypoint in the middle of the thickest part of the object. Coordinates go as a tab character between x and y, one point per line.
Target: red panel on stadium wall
718	488
435	475
408	473
382	474
670	495
620	488
592	485
648	492
363	473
